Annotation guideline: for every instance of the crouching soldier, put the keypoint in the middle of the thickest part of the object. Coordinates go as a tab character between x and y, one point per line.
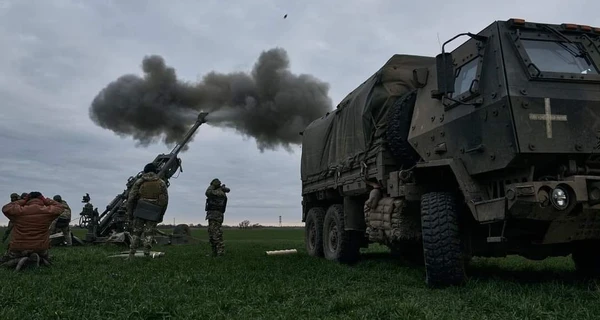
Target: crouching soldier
62	223
30	239
146	206
13	197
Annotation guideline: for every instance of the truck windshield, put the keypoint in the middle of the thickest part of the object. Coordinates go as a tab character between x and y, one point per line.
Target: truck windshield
559	57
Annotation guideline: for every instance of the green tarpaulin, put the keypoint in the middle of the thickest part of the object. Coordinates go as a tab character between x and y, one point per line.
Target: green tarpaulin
346	136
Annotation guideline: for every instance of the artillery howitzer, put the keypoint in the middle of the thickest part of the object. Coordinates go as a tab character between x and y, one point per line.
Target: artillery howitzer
112	224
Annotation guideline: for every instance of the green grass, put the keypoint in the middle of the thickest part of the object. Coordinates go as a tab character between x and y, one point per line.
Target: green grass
247	284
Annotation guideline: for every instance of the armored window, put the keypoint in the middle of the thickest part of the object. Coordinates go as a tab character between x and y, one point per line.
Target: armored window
465	75
560	57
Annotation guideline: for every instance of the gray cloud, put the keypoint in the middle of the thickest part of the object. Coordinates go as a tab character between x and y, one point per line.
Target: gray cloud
56	56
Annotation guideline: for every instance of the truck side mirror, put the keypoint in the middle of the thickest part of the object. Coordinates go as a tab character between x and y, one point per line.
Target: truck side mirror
445	74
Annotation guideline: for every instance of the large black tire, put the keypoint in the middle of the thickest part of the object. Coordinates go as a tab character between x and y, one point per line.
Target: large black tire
338	244
442	245
398	127
586	259
313	232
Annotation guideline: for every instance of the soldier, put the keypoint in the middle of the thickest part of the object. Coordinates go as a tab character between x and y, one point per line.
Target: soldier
146	206
30	241
216	203
13	197
62	222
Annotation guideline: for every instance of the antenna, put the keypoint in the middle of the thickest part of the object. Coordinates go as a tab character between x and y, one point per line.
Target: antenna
439	42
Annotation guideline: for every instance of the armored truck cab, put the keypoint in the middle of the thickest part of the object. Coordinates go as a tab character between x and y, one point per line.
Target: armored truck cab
489	150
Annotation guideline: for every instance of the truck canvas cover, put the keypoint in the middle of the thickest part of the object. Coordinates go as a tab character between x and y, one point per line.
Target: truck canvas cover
353	132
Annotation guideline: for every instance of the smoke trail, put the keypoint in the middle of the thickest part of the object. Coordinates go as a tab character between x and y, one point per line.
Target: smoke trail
271	104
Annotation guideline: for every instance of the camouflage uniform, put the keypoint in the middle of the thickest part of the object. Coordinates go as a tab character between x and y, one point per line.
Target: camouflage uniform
150	188
88	209
13	197
62	222
216	203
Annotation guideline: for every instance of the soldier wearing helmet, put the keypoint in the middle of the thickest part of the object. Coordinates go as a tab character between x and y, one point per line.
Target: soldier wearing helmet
62	222
146	206
216	203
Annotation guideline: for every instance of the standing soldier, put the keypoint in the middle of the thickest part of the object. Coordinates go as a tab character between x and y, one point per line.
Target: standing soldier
146	206
216	203
62	222
13	197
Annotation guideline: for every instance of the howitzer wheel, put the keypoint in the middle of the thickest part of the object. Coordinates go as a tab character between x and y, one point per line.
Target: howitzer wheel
313	231
398	127
442	245
182	229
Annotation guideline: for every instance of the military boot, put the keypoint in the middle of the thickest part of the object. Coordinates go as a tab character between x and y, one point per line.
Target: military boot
21	263
213	253
35	258
69	240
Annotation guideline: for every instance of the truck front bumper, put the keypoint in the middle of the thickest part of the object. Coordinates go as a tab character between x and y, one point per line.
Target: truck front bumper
549	200
571	207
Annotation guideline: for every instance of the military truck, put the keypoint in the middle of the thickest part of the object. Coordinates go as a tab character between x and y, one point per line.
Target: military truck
489	150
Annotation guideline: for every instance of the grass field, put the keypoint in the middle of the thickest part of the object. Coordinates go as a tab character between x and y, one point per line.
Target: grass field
246	284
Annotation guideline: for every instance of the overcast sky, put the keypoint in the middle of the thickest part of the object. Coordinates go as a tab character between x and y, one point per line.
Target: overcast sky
57	55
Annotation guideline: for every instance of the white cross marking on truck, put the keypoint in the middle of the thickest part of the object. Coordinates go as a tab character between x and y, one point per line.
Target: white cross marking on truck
548	117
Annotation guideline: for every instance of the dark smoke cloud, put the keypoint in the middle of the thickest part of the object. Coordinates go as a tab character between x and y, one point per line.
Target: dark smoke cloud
271	104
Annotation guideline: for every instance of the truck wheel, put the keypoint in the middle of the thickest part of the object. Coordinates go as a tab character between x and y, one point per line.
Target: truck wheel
442	246
339	245
314	232
586	259
398	127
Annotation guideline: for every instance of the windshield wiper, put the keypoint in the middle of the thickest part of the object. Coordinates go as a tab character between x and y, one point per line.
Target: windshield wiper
582	52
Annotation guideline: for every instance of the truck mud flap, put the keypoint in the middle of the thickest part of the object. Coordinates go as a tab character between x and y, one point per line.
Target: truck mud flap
354	215
470	190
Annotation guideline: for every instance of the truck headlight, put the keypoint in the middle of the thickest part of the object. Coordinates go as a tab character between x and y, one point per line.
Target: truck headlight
560	198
